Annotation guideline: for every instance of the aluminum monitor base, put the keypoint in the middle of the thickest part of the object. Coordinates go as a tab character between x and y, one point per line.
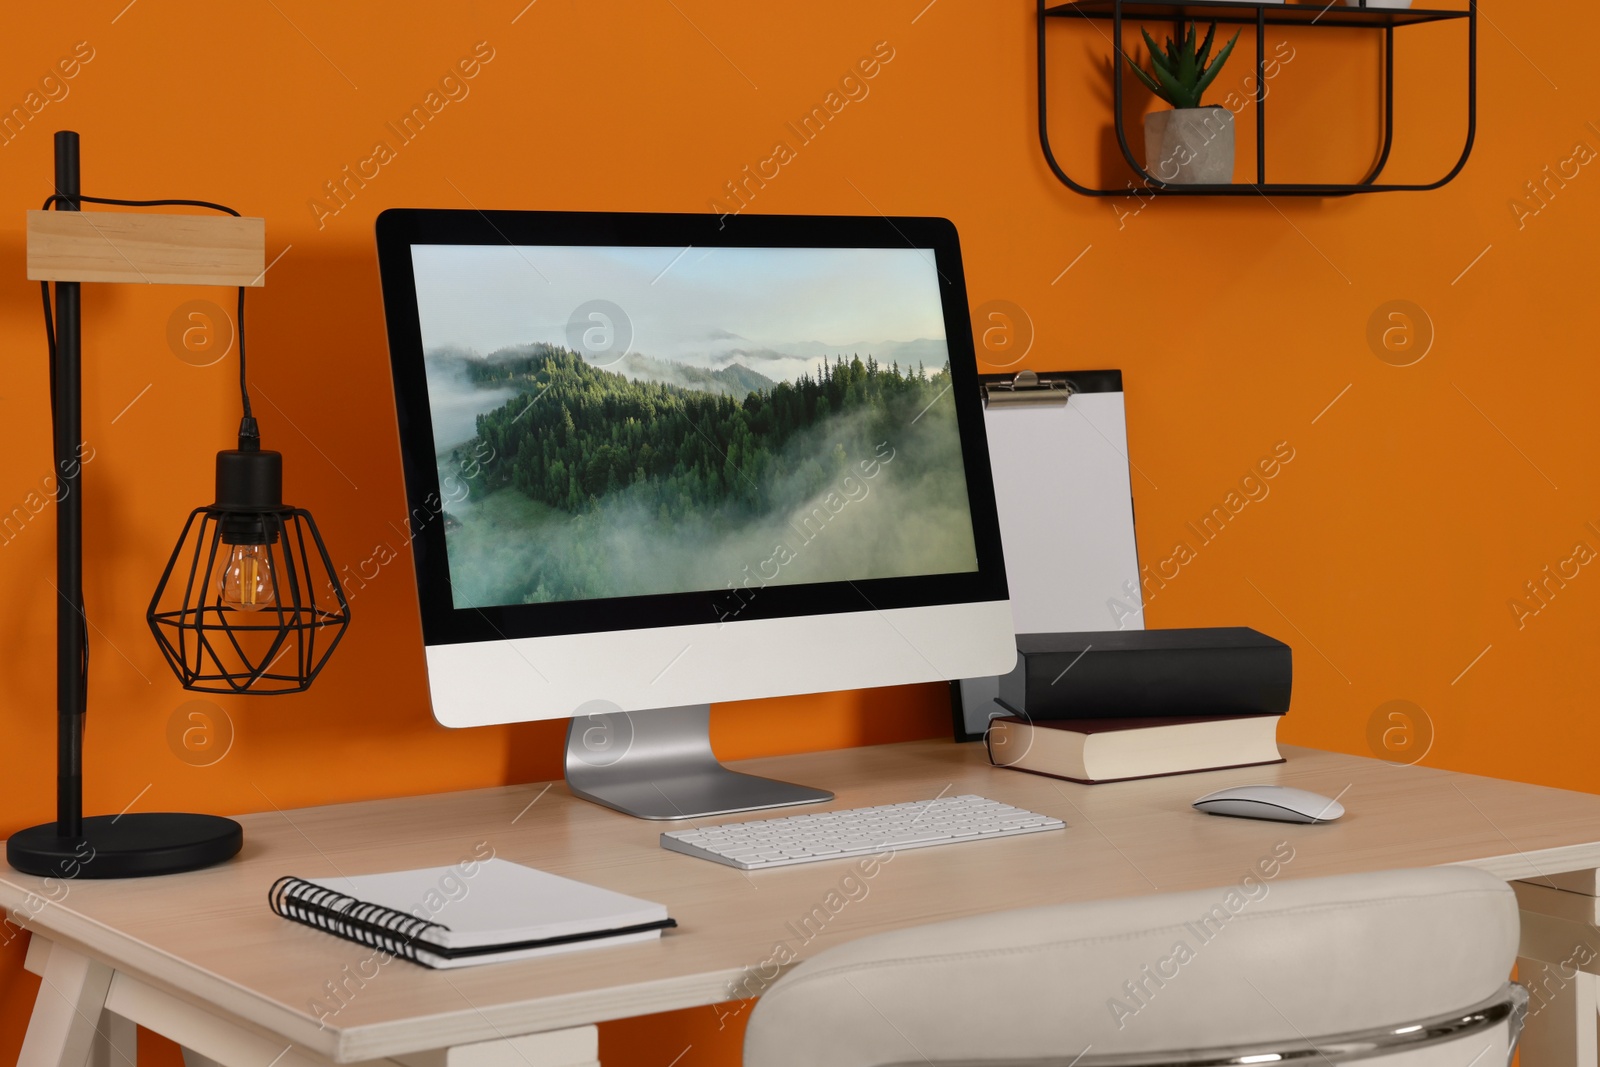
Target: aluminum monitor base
658	765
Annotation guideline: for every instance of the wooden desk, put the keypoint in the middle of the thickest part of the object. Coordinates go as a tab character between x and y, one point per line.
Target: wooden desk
200	958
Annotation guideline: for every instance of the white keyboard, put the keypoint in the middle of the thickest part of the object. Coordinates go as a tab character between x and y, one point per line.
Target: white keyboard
832	835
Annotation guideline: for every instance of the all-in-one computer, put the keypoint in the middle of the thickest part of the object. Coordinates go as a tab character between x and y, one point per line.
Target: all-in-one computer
655	461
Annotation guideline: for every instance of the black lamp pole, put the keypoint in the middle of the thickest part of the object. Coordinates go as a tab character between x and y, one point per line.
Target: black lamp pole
67	387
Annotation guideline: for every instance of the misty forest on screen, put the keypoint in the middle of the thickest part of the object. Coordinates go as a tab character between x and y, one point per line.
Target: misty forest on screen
587	483
723	434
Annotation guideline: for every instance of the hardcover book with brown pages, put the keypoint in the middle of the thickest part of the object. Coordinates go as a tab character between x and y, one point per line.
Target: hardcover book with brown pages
1115	750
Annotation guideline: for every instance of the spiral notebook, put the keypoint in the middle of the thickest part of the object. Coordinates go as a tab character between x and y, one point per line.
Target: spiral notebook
491	911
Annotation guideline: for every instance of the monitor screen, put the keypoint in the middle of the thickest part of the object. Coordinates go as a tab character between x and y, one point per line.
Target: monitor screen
617	423
626	421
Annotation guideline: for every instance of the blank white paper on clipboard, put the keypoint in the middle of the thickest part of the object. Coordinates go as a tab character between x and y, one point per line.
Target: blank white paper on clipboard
1062	486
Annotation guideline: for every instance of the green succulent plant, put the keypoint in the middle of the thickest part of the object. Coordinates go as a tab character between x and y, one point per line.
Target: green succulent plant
1180	74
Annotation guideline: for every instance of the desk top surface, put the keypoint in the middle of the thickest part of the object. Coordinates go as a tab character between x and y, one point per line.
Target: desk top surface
209	937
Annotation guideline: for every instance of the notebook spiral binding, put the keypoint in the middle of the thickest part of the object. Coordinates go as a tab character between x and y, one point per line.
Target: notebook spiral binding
372	925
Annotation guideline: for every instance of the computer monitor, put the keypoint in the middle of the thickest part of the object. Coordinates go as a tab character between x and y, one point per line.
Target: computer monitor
655	461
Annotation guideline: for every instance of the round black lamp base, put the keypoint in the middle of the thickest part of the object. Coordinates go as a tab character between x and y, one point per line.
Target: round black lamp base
126	846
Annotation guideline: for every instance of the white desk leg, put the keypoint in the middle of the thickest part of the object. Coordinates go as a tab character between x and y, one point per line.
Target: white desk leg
207	1040
1562	1028
210	1041
117	1043
72	995
577	1047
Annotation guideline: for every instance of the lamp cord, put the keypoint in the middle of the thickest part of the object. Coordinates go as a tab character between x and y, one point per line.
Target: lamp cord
249	437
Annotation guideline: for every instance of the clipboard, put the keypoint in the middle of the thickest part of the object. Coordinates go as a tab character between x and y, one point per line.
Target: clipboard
1058	447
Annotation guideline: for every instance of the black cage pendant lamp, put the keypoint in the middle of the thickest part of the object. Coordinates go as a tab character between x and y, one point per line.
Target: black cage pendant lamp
249	602
237	609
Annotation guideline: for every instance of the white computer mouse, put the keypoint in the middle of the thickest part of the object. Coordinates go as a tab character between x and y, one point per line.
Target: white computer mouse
1279	803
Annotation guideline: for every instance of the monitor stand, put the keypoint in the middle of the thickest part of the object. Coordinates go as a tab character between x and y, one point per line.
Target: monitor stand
658	764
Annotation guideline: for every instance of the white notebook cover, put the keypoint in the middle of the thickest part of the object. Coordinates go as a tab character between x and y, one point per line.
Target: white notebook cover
501	903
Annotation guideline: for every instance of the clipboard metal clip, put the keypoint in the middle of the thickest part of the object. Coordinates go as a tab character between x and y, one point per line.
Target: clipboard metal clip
1027	388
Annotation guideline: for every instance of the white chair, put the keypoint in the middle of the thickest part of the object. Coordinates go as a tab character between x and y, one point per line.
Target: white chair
1404	968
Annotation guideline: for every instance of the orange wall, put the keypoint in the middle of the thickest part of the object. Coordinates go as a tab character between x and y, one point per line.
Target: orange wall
1413	512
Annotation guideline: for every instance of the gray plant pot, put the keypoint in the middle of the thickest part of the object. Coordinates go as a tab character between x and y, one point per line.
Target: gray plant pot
1189	146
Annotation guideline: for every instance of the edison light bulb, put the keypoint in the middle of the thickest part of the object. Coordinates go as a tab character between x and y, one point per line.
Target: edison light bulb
246	583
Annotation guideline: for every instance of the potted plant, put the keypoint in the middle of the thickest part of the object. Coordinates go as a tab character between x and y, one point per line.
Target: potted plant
1189	144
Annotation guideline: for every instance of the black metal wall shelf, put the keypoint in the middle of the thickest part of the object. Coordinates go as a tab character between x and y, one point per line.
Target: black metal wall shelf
1260	15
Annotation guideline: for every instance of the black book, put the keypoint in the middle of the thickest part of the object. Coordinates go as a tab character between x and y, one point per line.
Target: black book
1230	670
